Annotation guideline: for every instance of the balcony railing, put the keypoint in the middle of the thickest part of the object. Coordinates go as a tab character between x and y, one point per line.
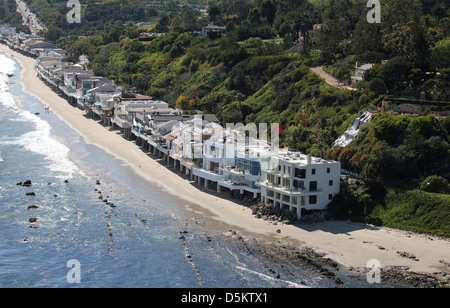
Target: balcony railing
290	190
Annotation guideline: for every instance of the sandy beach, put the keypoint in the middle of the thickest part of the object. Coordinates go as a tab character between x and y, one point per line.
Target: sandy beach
350	244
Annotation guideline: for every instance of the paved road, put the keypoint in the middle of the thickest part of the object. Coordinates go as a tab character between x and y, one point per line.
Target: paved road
29	18
329	78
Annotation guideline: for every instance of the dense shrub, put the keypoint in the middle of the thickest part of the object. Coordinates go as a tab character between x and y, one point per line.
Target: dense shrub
435	184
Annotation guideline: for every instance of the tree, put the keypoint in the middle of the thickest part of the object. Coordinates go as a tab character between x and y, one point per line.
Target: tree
378	86
269	10
394	73
443	84
435	183
189	21
365	198
440	55
398	12
254	16
2	13
409	40
11	5
420	47
163	24
53	34
331	38
214	102
366	37
446	124
231	113
346	155
424	126
390	128
182	102
214	12
302	22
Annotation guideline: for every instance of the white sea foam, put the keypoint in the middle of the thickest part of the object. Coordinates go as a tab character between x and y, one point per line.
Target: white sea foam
39	140
7	67
269	278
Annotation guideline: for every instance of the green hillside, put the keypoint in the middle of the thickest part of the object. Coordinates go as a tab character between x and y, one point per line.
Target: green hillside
258	71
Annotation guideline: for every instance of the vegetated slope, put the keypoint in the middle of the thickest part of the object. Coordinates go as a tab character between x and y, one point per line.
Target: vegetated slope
259	72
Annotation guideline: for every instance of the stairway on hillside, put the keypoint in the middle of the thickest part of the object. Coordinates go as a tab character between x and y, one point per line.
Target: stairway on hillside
350	134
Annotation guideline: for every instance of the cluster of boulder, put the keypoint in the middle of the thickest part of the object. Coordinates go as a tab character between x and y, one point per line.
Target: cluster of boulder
283	215
273	214
32	220
402	276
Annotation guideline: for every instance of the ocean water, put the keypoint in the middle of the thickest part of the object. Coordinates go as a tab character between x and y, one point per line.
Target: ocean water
140	238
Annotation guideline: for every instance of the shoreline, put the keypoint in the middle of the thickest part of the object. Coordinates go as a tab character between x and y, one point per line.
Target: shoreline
349	244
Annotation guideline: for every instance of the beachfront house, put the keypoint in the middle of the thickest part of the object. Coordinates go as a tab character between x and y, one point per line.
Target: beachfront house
129	96
57	54
34	46
92	91
185	142
103	108
102	88
46	68
150	118
227	164
72	85
300	182
69	73
244	170
6	31
126	110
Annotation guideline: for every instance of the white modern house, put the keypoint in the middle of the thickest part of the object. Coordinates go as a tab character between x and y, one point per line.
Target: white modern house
231	161
300	182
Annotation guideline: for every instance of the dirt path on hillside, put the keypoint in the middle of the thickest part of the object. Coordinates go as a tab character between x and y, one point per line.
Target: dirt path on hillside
329	78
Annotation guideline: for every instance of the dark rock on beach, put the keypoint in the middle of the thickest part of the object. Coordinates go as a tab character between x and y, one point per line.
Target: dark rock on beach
285	253
392	276
402	276
273	214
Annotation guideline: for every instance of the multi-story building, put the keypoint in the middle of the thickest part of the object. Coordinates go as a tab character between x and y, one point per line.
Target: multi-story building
300	182
231	161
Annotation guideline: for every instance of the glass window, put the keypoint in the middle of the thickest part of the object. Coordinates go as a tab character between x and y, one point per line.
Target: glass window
300	173
313	186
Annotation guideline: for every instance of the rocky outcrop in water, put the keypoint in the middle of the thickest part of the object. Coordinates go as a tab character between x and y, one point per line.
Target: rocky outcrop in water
27	183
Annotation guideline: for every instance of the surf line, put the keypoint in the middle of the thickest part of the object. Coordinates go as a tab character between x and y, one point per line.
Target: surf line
289	283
